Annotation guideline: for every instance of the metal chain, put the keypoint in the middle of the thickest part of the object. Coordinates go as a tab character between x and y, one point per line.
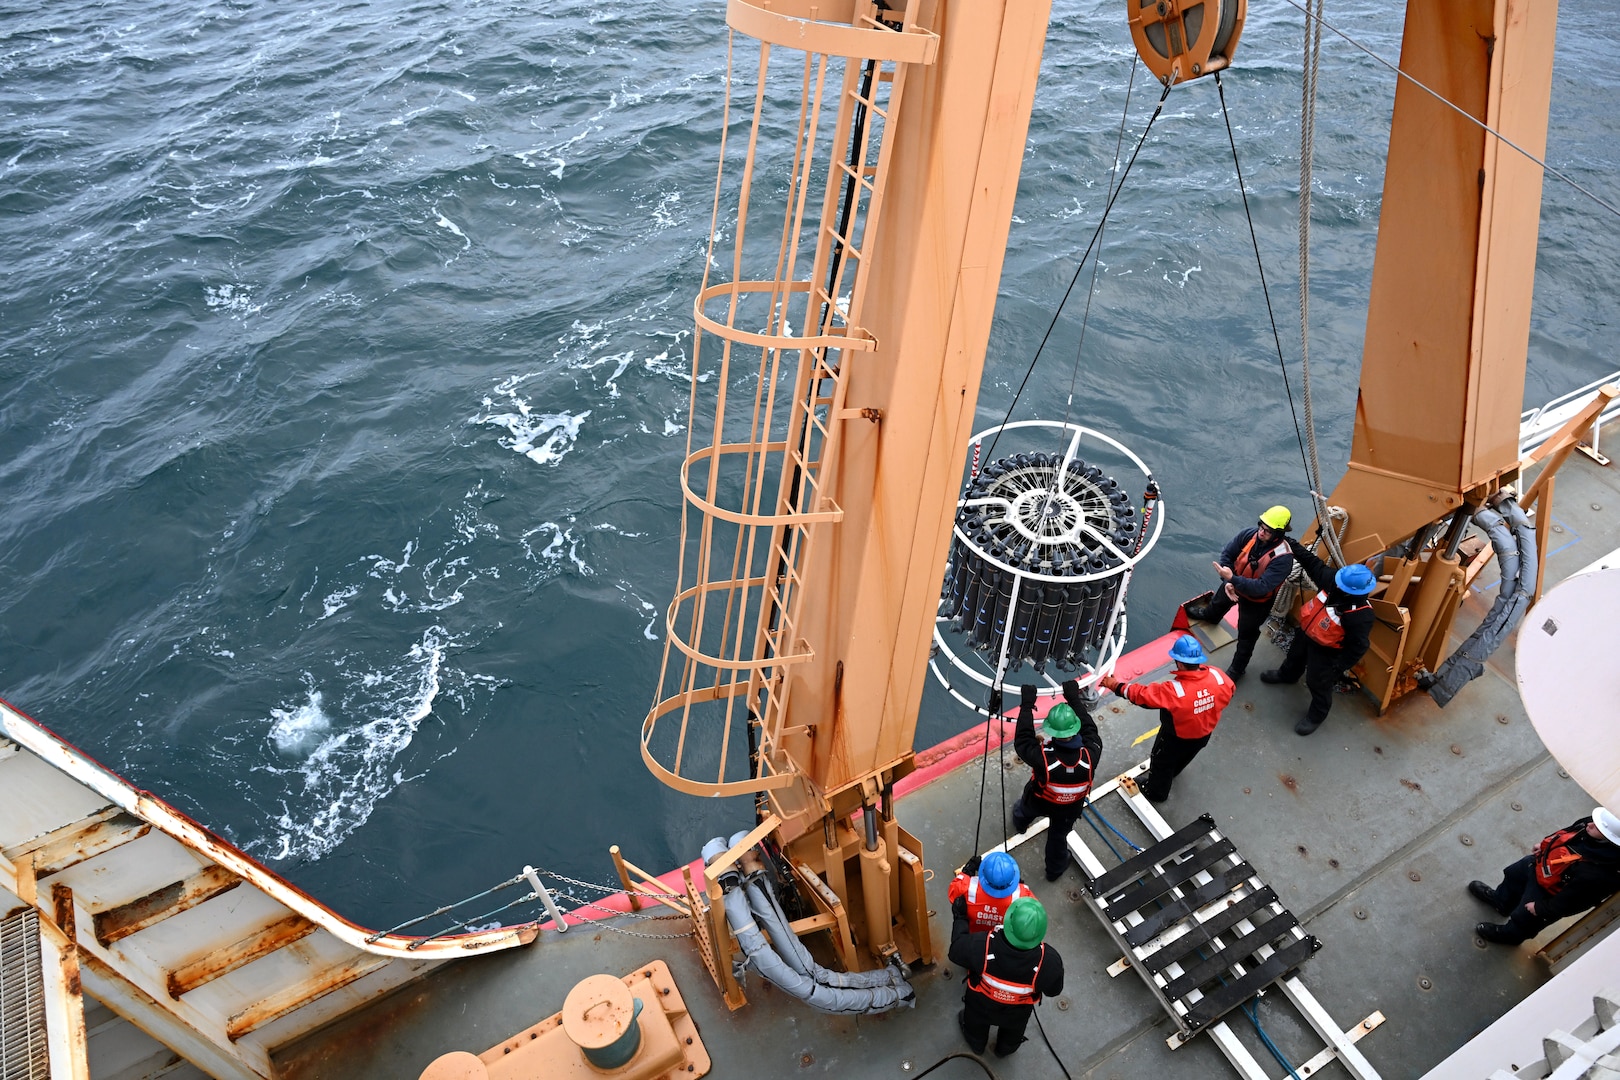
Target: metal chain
639	915
606	890
688	932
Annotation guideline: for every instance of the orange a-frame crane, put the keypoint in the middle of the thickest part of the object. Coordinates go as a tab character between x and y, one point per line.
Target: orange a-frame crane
836	367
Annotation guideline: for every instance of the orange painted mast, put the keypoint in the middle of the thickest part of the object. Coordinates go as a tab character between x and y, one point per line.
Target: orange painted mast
1448	320
836	370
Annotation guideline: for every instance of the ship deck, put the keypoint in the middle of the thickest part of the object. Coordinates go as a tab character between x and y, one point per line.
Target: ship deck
1368	830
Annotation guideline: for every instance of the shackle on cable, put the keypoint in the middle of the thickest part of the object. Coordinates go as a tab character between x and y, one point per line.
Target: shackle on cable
1184	39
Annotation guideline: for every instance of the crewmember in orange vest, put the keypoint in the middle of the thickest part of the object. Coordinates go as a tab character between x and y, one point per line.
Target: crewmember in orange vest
982	890
1570	871
1189	703
1062	767
1252	568
1009	970
1335	626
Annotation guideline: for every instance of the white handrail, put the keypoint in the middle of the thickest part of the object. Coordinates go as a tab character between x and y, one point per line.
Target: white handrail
1536	426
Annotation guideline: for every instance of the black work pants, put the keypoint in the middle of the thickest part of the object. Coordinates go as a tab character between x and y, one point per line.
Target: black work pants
1252	615
1171	753
1060	820
1322	670
979	1014
1518	888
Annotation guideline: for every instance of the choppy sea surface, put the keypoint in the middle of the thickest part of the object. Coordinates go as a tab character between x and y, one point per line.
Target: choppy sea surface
343	359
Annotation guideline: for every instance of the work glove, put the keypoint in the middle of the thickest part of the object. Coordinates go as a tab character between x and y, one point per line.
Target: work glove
1028	696
970	867
995	701
1071	693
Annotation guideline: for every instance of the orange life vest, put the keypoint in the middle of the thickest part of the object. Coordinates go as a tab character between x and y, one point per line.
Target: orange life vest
1257	570
1321	623
986	912
1060	783
1554	857
1005	991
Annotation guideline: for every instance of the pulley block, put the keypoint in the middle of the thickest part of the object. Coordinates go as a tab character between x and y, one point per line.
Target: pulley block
1184	39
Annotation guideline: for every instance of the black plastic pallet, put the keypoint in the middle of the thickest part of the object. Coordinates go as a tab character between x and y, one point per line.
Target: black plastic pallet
1156	885
1211	1008
1144	861
1199	934
1240	951
1175	910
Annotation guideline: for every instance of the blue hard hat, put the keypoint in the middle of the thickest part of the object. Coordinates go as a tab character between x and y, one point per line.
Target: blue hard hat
1186	650
1356	580
998	874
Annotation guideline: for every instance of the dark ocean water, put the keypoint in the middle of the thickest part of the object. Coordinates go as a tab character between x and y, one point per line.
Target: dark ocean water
342	372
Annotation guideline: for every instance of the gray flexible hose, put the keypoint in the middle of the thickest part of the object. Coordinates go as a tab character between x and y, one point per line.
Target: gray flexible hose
788	964
765	960
1514	540
762	902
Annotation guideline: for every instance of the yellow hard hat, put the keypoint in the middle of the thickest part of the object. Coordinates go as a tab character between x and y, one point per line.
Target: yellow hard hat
1277	518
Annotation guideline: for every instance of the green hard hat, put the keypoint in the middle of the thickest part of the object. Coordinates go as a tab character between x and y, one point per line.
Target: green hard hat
1061	722
1024	925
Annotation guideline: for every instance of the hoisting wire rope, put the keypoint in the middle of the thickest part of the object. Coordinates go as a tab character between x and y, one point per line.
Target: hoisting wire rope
1096	235
1096	264
1311	69
1159	108
1114	180
1271	314
1454	107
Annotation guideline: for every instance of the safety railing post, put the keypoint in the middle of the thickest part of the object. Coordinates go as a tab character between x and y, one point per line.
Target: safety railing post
545	898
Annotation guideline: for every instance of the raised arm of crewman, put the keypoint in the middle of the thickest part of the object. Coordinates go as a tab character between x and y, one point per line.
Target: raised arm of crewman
1027	744
1315	568
1357	623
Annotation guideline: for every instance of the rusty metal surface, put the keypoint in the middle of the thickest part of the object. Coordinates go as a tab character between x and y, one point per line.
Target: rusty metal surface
218	962
132	917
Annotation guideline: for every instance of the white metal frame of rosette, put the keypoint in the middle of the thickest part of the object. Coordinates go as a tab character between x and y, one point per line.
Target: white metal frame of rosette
1113	645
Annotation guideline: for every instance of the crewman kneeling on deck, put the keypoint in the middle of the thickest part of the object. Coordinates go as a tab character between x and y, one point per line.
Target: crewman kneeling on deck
1062	767
1009	970
1571	870
983	889
1334	628
1252	568
1189	703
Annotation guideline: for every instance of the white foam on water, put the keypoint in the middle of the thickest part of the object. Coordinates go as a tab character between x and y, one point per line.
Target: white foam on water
543	438
445	223
234	298
1185	274
350	760
297	729
336	601
563	545
612	384
664	213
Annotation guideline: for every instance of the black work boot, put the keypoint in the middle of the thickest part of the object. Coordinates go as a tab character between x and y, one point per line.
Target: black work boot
1498	935
1274	677
1487	895
1307	725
